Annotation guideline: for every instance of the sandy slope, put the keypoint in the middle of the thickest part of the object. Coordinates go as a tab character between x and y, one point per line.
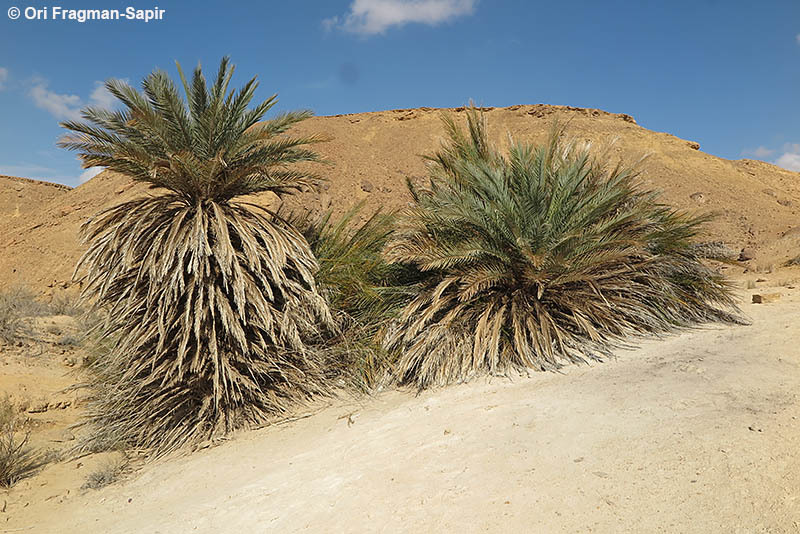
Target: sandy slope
693	433
372	154
20	198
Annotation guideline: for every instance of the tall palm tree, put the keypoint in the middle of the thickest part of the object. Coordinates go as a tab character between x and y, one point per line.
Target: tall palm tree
208	296
546	255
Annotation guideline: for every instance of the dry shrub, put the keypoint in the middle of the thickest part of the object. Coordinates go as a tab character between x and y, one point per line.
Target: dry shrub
107	473
16	305
17	459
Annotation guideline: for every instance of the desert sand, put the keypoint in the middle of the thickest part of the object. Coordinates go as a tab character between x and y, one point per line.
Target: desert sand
696	432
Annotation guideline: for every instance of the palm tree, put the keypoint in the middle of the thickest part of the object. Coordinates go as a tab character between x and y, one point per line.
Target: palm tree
209	297
543	256
364	290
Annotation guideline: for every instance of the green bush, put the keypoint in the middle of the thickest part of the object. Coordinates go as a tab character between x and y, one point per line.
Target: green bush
364	290
546	255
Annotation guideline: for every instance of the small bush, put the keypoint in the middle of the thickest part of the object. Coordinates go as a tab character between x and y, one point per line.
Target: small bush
65	304
70	340
108	473
16	305
364	290
17	459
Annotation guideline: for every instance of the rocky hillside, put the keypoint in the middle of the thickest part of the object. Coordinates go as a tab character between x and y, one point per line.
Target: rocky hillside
372	154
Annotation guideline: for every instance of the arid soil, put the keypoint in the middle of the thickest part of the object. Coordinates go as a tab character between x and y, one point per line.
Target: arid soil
372	154
21	198
696	432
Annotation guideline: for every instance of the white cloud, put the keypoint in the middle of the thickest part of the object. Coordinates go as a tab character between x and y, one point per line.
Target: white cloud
28	170
65	106
761	152
89	173
58	105
100	97
370	17
790	159
3	77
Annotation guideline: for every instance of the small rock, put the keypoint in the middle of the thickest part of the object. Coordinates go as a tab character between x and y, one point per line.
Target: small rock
698	197
770	192
747	254
693	145
764	298
325	201
367	187
38	408
785	202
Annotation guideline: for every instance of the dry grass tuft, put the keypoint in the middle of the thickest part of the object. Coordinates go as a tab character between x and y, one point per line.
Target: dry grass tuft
107	473
17	459
16	305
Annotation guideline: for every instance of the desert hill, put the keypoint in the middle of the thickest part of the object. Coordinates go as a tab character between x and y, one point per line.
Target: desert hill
372	154
20	197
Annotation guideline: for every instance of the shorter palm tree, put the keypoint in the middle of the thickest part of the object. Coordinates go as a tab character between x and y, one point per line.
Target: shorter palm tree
544	256
209	298
364	290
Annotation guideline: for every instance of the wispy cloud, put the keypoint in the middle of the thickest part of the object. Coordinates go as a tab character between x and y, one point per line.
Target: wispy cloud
790	159
370	17
761	152
3	77
89	173
28	170
788	156
66	106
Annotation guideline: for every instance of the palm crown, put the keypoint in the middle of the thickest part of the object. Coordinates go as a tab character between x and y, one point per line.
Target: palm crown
209	146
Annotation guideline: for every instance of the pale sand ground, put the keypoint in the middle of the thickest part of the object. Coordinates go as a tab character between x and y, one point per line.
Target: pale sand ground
692	433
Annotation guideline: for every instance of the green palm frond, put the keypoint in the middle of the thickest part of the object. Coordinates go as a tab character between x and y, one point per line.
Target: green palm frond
546	255
210	299
364	290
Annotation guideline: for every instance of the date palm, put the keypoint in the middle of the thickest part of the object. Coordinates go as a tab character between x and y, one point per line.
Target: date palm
208	296
546	255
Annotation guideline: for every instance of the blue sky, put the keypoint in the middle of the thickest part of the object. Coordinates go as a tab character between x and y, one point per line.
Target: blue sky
725	73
